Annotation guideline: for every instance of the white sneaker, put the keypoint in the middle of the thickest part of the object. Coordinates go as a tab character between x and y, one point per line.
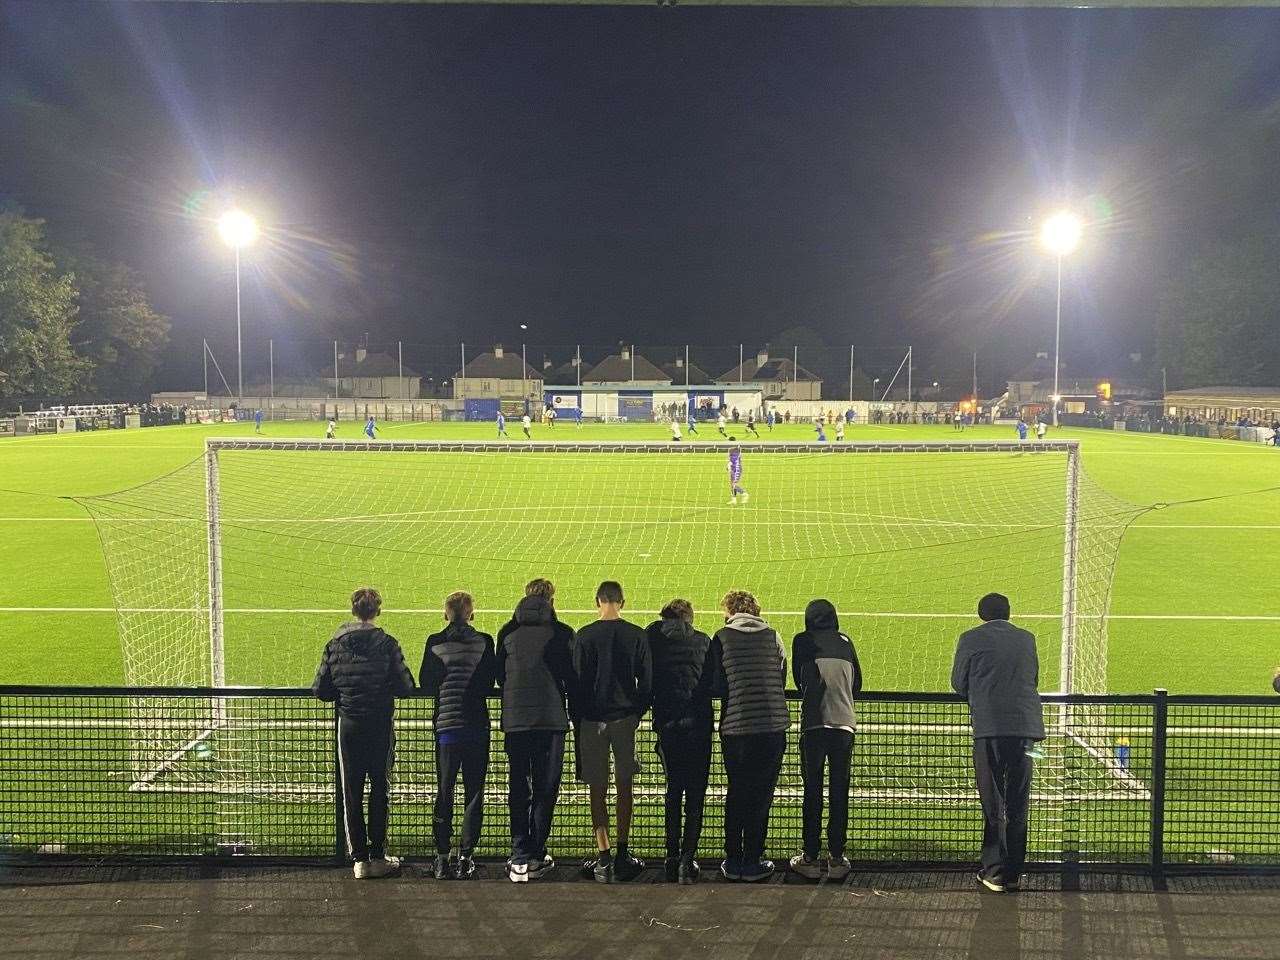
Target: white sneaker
518	872
838	867
809	869
745	496
376	868
733	501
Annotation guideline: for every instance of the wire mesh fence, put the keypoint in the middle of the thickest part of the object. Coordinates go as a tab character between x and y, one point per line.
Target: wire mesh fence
1167	782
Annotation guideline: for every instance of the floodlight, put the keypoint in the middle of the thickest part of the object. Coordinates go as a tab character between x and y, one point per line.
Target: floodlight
237	228
1061	233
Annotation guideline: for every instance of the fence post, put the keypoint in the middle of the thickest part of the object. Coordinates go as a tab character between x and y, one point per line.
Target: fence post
1159	750
339	811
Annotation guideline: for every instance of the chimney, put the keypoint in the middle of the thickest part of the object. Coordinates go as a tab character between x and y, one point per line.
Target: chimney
679	363
762	357
361	353
1042	355
626	353
497	350
574	361
546	363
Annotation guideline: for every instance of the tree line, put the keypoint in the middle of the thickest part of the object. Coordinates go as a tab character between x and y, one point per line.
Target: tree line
72	324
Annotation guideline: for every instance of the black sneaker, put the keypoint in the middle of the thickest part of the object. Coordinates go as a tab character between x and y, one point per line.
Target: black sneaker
540	868
755	872
602	868
441	869
626	867
671	869
465	868
689	871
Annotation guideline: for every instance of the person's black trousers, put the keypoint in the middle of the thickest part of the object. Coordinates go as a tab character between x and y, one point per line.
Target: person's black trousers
471	757
752	763
828	750
366	751
685	749
1003	772
535	760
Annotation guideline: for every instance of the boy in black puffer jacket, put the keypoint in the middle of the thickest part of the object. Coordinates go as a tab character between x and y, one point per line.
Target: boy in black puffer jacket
682	719
363	671
827	674
459	669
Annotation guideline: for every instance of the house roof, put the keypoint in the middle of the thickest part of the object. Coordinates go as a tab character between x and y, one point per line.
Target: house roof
693	373
615	369
376	365
1228	395
1041	368
566	373
509	366
781	368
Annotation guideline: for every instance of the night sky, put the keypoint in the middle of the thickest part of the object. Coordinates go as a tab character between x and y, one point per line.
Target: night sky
665	175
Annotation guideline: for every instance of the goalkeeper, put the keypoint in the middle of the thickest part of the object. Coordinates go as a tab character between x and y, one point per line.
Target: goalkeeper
363	671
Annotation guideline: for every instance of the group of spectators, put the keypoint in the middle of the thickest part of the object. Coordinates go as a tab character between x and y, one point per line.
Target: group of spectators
603	678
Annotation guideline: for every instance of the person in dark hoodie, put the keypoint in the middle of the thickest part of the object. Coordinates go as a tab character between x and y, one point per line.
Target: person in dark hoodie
827	674
997	670
363	671
535	671
750	675
459	669
682	719
611	663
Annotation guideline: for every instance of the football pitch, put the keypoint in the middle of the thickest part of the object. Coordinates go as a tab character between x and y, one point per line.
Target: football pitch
1192	603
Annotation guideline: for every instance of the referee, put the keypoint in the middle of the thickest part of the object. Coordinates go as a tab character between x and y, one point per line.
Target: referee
996	668
363	671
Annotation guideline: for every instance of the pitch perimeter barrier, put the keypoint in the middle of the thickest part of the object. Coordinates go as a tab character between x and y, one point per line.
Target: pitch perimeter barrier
1183	782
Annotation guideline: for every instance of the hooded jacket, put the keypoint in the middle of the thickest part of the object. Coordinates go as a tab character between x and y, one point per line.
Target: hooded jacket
459	669
750	676
535	670
363	671
614	674
681	677
826	670
996	668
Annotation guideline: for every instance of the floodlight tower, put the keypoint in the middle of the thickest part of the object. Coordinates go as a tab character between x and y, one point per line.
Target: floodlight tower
1060	235
238	229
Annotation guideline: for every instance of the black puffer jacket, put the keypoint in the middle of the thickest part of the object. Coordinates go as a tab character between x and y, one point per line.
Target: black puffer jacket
363	671
681	680
535	670
750	677
459	669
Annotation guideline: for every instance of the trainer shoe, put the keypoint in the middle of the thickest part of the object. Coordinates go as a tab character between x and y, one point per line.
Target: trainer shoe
441	867
995	886
517	872
626	867
671	869
1013	886
755	872
838	867
377	867
746	497
465	868
731	868
689	872
540	868
733	502
808	867
602	868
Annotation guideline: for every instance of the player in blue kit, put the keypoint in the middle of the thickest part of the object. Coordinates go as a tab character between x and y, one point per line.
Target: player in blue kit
734	468
692	423
502	425
1022	429
370	429
257	421
822	437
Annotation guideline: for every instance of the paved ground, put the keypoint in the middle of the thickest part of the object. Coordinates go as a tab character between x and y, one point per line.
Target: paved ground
282	913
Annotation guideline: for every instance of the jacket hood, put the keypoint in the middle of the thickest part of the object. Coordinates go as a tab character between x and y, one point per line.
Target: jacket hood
355	628
532	611
675	628
821	615
459	628
746	623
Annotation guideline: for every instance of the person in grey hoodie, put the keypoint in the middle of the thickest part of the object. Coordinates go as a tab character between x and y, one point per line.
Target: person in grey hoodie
749	670
827	674
997	670
363	671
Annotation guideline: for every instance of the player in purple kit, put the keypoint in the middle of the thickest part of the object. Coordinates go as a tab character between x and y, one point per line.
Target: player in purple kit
734	466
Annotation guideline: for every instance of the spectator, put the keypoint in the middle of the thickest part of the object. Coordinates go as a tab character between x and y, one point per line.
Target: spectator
535	669
614	676
750	676
682	720
996	669
828	675
1275	680
362	670
459	669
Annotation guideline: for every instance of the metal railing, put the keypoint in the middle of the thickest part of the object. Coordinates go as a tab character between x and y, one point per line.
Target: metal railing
1156	782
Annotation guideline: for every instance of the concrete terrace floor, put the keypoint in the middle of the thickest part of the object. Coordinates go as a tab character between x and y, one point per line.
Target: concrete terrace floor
176	911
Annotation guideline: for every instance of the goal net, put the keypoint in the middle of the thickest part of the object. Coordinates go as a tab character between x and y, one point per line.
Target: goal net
236	568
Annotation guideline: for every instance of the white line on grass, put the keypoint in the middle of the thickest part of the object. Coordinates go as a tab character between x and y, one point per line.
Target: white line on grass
890	615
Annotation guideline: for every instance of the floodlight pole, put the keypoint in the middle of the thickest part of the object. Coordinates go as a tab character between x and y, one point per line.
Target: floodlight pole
851	374
239	351
1057	341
